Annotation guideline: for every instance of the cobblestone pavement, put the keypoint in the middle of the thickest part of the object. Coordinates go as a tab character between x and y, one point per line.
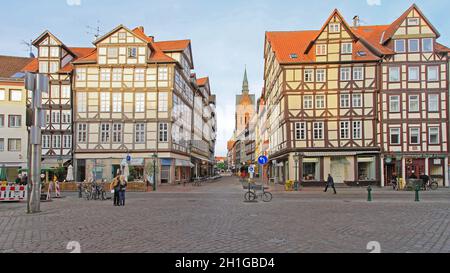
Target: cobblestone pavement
214	218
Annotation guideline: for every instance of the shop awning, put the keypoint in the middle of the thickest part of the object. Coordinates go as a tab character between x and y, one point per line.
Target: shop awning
166	162
183	163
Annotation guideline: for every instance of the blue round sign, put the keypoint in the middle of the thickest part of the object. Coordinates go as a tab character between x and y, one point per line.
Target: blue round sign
263	160
129	158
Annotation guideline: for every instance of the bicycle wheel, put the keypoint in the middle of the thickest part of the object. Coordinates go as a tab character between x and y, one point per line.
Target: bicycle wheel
434	186
267	197
250	196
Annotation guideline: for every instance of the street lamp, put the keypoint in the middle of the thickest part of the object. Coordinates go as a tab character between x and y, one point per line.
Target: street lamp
155	157
296	159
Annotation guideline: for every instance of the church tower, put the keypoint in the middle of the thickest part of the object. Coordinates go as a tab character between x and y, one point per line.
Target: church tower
245	106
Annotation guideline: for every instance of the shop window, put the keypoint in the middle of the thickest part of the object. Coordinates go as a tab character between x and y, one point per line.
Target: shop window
311	171
165	174
366	169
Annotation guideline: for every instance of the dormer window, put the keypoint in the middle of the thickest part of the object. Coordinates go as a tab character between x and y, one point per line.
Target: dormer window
335	27
413	21
294	56
132	52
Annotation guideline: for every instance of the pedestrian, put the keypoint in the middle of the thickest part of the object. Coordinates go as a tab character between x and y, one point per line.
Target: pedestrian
24	179
80	189
115	187
426	180
394	181
330	183
122	190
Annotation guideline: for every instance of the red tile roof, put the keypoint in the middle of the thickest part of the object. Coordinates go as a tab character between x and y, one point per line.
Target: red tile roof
10	65
32	66
202	81
179	45
294	47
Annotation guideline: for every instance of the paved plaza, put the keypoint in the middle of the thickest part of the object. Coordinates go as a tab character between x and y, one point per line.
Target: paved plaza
213	218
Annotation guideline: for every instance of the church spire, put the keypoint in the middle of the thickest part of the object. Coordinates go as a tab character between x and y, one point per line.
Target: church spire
245	88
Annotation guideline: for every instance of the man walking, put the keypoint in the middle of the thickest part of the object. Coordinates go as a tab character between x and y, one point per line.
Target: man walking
330	183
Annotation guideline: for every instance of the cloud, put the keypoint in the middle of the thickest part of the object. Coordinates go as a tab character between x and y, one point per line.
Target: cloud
73	2
374	2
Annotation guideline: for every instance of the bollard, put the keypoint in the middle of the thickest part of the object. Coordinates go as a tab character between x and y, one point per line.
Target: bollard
369	194
417	193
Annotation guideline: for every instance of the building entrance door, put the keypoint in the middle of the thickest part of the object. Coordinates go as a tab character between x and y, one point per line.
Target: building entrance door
414	166
338	166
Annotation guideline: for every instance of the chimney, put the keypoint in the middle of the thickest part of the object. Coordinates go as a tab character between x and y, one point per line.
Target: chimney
356	21
141	28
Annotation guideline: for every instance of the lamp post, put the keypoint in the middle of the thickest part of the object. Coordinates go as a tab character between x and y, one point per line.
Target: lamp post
155	157
296	159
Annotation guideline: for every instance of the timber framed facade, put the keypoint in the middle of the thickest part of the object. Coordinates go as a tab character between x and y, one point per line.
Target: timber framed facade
328	97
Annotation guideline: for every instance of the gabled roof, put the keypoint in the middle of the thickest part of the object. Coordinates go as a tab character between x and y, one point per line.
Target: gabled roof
397	23
48	33
285	44
115	30
10	65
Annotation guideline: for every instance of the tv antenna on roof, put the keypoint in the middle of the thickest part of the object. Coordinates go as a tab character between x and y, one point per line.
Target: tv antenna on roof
95	31
29	46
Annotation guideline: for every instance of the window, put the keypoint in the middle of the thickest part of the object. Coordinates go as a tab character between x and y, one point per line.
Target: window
433	73
163	104
345	73
105	75
43	51
309	75
113	52
320	75
81	74
335	27
45	141
357	129
67	142
104	133
413	74
82	102
414	103
54	90
414	136
413	21
300	130
163	132
2	121
15	121
394	74
56	117
2	95
358	73
56	141
122	35
65	91
395	136
117	133
15	95
140	103
347	48
54	52
2	144
140	133
434	135
308	102
132	52
320	101
163	74
117	102
400	46
318	130
54	67
427	45
66	118
82	133
139	75
321	50
413	45
394	104
105	102
43	67
345	100
433	103
14	145
117	75
357	100
345	132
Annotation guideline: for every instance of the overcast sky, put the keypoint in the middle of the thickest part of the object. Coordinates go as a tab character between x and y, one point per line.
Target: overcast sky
226	35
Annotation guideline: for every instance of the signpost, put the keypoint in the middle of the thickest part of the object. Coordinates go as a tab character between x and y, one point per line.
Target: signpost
251	171
263	160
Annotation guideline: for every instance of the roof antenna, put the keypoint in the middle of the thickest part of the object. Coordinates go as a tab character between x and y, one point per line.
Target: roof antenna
29	46
95	31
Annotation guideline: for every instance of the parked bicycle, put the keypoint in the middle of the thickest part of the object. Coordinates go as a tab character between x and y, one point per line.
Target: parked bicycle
94	191
431	185
256	192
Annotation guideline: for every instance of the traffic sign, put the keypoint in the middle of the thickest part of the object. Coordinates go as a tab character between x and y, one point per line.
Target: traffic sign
251	169
263	160
129	158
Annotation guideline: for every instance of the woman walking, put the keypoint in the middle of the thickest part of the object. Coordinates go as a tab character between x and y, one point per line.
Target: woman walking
115	187
122	189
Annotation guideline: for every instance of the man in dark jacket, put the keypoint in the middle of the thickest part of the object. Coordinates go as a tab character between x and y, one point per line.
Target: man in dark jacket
426	179
330	183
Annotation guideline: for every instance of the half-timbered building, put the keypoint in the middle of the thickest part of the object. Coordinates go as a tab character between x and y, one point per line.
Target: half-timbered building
328	93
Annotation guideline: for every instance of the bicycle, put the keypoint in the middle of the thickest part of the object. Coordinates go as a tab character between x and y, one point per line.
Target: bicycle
256	192
431	185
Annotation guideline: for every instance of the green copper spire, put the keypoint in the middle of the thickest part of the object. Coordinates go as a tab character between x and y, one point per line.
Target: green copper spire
245	89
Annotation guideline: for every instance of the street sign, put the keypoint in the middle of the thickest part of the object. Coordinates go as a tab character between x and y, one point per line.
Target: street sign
128	158
251	169
263	160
